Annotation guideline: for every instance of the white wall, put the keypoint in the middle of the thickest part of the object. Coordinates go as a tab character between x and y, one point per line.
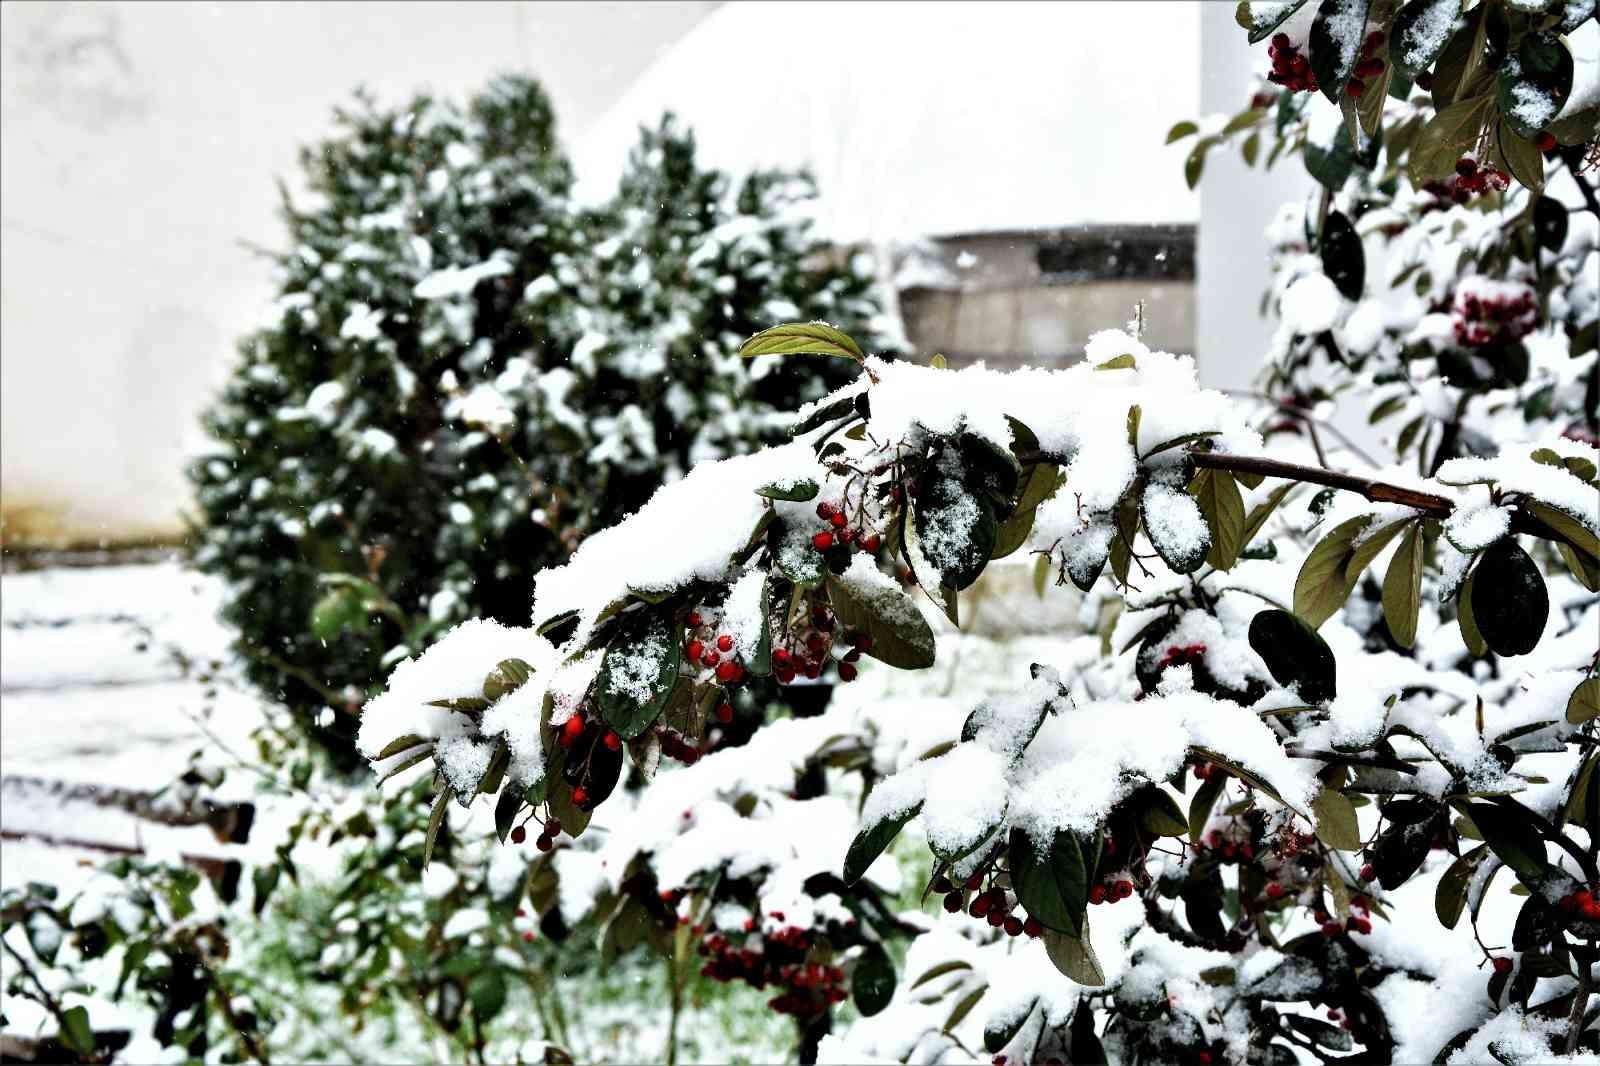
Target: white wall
141	144
1236	203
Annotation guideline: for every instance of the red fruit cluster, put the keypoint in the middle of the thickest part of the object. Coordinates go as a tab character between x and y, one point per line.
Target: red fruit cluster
1111	891
571	730
1468	181
1291	68
713	653
674	745
1227	848
1367	67
841	532
1355	923
808	650
994	906
1580	904
1184	655
1487	316
777	959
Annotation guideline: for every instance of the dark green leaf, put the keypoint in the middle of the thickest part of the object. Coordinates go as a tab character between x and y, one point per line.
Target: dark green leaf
1512	835
1533	89
1295	654
1453	130
1052	886
1336	820
435	820
1332	59
1550	223
1344	260
1584	703
1415	39
638	675
901	636
1509	602
873	982
1181	130
1402	587
1451	896
506	810
76	1031
1004	1026
1074	956
1222	505
797	491
1322	585
1205	798
870	842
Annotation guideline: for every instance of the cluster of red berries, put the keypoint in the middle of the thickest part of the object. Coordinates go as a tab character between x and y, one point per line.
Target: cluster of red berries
546	840
528	935
1580	904
1291	68
994	906
1182	655
776	959
1468	181
595	764
1355	923
674	745
808	654
714	653
1489	313
841	532
573	728
1368	66
1111	891
1227	848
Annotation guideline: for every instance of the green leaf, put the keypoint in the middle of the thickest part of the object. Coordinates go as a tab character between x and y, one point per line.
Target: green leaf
1272	15
435	820
843	407
1550	223
1584	703
964	1008
1344	260
1222	505
486	991
796	491
932	972
1453	130
1512	835
1181	130
1053	886
638	675
901	636
1510	604
1416	43
1402	587
1450	898
1575	532
1322	586
1543	69
1159	813
1470	636
1329	61
399	744
506	810
337	611
872	984
1295	654
507	676
1003	1026
870	842
1522	157
1074	956
958	527
76	1032
1181	553
803	338
1336	820
1205	798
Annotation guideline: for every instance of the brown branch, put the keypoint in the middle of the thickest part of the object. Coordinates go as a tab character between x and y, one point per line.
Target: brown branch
1376	491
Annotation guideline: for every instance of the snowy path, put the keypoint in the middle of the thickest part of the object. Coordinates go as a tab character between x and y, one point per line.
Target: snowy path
91	695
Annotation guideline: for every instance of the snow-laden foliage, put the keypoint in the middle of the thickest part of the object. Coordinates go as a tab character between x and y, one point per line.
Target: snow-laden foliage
464	374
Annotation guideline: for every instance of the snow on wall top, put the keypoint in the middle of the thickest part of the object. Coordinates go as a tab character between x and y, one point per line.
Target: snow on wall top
954	118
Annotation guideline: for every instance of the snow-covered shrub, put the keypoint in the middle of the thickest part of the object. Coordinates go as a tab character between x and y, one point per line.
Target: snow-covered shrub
464	374
1260	813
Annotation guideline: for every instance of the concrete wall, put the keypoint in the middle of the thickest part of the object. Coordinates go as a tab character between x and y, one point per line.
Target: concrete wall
141	144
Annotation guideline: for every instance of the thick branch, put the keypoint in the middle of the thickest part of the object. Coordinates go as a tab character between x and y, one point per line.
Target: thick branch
1376	491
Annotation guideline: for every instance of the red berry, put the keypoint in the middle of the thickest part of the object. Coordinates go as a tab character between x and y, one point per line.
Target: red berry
826	511
870	543
975	882
695	621
1545	141
1367	872
1355	87
553	826
980	906
518	835
1013	926
847	672
528	936
1331	930
822	541
1280	40
1124	889
725	643
727	672
1424	80
611	741
1203	1058
580	796
952	902
1032	927
694	649
1097	894
544	843
780	657
996	917
1502	965
1275	891
725	713
1466	166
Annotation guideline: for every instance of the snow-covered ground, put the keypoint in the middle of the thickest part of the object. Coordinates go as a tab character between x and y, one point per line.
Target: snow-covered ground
92	693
